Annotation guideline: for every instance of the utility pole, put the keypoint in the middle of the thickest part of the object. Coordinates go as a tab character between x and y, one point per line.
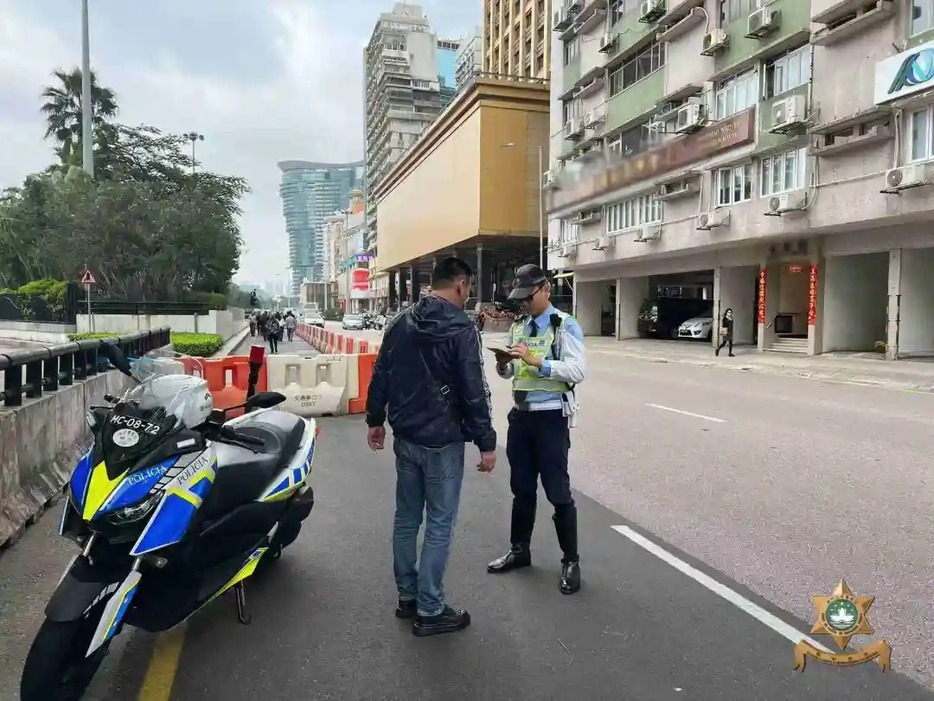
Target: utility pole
87	111
193	137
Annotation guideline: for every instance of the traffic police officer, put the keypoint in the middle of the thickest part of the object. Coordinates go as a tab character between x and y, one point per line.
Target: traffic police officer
546	361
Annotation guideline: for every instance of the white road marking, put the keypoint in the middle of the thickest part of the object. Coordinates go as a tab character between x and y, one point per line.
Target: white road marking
687	413
741	602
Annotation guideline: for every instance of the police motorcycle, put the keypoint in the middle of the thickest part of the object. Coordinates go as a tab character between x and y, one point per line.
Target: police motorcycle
172	506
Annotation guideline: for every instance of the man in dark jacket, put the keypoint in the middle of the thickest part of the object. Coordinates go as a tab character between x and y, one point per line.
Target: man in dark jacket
429	372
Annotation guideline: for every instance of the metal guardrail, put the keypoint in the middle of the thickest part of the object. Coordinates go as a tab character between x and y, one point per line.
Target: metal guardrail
47	369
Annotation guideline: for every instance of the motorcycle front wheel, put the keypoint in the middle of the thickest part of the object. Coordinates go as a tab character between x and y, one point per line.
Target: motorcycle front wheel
56	667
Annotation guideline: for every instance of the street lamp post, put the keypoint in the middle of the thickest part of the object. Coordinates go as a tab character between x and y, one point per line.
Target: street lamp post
541	205
87	112
193	137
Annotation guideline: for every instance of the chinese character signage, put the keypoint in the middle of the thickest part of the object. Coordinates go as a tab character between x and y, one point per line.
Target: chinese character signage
675	155
761	310
812	296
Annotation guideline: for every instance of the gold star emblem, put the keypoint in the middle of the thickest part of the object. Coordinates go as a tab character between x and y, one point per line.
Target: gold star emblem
842	614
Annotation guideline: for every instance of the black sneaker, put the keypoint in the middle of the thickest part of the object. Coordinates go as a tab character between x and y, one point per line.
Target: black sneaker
447	621
406	609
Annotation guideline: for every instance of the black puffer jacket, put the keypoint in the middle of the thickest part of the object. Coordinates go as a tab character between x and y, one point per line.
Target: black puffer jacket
417	411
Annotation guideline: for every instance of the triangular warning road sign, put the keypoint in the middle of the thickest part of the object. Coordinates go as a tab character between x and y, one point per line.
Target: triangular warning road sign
88	279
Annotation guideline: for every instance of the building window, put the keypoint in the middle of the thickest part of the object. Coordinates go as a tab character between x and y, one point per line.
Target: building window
572	110
569	232
732	10
572	50
921	133
788	72
637	68
736	94
617	10
633	213
783	172
922	16
734	185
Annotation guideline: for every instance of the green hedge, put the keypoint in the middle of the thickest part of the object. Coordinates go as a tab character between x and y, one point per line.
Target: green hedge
203	345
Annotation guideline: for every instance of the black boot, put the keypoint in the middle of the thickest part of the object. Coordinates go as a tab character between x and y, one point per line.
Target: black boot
565	519
519	556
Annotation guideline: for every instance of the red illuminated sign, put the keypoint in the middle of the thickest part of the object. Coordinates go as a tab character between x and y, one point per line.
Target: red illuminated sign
361	279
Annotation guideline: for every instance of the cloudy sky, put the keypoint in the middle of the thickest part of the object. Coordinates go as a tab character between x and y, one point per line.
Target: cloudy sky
263	80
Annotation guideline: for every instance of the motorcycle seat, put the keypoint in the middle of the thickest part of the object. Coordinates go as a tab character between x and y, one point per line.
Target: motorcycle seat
243	475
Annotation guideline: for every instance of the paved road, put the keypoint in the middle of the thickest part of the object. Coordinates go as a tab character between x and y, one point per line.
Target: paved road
323	626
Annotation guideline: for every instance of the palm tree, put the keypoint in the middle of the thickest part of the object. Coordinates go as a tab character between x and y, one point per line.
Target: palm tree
62	109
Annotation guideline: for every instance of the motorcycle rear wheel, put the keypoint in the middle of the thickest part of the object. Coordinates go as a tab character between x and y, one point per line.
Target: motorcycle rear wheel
56	666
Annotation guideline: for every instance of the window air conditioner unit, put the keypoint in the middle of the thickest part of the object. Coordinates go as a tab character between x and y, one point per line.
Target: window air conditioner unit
907	177
715	40
594	117
588	216
575	6
571	128
788	113
711	220
649	232
789	202
651	10
549	180
690	118
607	42
761	22
603	243
568	250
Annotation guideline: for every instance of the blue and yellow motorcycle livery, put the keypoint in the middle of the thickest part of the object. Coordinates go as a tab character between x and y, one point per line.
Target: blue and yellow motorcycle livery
172	506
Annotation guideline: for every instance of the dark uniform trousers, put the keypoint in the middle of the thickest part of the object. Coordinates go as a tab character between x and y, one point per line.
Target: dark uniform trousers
537	445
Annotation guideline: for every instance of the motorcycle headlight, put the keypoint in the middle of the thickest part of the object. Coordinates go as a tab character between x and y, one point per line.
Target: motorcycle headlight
134	513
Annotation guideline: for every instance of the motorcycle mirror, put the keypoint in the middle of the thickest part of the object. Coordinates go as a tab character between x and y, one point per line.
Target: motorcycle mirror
264	400
116	357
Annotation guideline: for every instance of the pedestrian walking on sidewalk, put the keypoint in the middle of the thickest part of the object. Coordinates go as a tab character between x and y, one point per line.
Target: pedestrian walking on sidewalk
429	373
546	361
290	323
726	332
274	332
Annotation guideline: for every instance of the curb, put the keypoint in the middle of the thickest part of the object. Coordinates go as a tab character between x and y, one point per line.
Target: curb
835	377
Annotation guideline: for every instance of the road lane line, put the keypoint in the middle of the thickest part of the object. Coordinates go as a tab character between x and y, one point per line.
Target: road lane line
738	600
163	665
687	413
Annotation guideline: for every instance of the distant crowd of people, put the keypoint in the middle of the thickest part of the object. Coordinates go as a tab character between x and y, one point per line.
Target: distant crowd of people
273	326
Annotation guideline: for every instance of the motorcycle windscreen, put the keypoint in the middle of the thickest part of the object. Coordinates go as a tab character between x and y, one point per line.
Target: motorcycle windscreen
130	434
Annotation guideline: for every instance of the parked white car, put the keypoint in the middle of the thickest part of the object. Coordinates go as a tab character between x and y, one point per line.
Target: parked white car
352	322
699	328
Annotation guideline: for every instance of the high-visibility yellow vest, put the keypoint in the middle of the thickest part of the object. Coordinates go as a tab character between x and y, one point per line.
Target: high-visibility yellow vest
526	377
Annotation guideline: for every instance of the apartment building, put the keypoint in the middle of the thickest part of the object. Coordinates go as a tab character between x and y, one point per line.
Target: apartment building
402	89
775	158
516	37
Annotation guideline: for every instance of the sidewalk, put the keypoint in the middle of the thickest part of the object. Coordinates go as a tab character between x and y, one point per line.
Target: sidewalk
852	368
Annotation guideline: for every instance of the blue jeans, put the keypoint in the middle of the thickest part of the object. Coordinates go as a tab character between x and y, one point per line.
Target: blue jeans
427	480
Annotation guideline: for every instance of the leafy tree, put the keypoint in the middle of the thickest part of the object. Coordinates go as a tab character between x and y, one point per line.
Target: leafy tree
63	115
147	227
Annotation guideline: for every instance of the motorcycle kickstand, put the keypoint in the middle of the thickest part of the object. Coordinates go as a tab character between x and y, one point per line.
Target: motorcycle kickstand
246	618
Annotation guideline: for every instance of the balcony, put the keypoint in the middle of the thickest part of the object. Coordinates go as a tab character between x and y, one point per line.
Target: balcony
591	82
592	16
637	101
844	26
